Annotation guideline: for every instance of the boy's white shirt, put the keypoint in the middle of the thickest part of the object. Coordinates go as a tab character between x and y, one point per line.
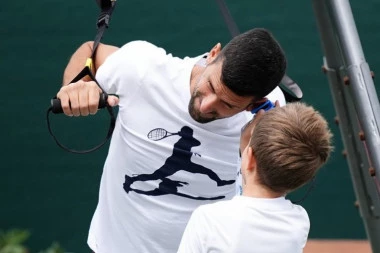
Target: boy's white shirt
245	225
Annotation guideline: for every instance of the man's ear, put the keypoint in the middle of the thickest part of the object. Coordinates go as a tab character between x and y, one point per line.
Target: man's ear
214	52
255	104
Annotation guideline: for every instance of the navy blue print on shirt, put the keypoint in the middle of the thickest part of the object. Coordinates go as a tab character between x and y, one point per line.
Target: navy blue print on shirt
179	160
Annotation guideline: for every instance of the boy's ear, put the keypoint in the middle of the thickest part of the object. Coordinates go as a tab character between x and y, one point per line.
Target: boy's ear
251	160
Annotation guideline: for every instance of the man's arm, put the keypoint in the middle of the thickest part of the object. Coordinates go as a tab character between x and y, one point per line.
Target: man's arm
78	59
82	97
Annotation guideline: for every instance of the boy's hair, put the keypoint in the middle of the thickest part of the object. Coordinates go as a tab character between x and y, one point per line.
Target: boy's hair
253	63
290	144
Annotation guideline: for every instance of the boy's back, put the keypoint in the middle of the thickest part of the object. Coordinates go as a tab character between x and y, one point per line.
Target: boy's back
246	224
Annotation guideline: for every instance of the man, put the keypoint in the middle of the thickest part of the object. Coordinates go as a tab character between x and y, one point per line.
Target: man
177	133
281	150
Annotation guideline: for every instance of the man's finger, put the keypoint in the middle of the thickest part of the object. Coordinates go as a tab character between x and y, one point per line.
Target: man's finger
65	102
83	102
93	101
74	103
112	100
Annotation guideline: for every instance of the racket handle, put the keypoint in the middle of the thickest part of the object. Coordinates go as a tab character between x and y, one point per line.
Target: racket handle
56	106
265	106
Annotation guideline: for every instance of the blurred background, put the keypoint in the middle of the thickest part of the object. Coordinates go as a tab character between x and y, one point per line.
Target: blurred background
53	193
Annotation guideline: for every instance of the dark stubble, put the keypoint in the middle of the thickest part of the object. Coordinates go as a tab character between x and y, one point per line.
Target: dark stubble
196	115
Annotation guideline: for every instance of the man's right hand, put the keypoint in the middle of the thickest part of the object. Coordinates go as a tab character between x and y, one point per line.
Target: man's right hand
82	98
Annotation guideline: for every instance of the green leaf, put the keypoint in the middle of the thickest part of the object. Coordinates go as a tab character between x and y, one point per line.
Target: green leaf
14	249
14	237
54	248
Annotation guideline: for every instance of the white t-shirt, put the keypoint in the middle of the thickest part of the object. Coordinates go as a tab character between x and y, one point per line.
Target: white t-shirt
152	182
247	225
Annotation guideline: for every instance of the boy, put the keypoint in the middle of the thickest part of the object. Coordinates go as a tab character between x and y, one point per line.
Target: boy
286	147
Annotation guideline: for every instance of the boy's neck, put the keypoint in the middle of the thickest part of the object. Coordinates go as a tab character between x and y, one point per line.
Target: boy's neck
259	191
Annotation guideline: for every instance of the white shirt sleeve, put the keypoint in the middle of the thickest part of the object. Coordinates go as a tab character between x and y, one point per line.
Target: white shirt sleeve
193	239
123	71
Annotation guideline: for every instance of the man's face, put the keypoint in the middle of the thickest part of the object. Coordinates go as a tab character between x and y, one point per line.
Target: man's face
211	99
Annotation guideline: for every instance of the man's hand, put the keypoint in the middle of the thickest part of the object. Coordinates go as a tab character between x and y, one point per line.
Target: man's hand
82	98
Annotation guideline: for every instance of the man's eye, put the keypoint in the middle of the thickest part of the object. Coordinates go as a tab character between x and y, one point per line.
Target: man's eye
209	84
229	106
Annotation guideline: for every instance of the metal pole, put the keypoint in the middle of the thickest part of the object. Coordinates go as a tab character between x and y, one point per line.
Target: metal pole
356	104
360	79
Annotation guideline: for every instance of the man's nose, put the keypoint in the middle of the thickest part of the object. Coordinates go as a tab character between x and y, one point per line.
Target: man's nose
208	104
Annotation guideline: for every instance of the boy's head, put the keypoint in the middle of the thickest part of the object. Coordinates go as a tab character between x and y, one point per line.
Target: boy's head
287	147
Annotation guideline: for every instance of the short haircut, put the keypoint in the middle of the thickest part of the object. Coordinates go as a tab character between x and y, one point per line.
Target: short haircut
290	144
253	63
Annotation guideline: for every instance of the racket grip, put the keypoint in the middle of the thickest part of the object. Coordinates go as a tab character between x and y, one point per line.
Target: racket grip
56	106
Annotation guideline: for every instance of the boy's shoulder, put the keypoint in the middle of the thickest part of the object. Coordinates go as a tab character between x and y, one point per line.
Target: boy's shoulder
220	208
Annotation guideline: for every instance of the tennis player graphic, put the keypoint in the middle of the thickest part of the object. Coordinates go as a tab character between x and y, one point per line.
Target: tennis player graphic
179	160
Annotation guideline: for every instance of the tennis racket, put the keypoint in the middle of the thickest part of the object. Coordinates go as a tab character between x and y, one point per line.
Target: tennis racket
159	134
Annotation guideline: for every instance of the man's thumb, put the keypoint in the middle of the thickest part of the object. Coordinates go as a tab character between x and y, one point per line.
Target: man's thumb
113	100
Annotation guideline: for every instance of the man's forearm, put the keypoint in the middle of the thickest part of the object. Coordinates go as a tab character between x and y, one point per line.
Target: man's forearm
77	63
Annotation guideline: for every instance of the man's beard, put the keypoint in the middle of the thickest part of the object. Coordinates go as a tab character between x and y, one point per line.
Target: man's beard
196	115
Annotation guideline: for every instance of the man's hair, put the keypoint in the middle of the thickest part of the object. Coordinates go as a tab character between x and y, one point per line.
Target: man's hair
290	144
253	63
